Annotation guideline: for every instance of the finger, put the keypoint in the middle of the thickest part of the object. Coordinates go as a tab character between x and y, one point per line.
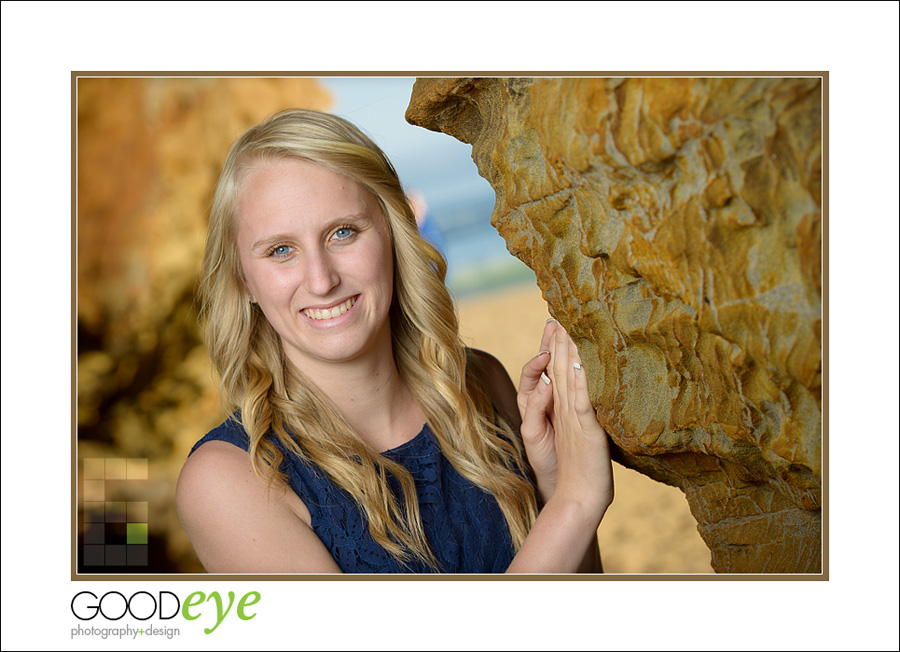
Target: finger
547	337
532	370
582	401
560	365
529	381
575	370
534	418
584	409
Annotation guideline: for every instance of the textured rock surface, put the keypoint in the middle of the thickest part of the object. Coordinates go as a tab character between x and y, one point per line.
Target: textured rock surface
149	153
674	227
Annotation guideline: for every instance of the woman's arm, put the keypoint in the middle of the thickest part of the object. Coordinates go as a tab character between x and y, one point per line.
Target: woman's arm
567	448
564	534
239	525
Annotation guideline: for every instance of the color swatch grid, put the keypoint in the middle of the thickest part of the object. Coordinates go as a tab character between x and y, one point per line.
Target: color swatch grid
115	531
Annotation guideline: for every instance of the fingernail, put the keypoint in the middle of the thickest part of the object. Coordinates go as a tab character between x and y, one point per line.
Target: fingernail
577	366
540	353
545	378
551	319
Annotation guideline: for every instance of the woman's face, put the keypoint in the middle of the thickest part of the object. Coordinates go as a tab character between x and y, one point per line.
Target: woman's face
316	255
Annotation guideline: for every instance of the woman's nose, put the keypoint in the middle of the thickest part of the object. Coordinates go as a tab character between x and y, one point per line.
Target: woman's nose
321	275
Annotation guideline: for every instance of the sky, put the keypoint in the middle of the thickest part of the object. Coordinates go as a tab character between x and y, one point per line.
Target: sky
436	164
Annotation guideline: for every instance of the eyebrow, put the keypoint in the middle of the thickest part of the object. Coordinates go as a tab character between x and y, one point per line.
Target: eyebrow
269	240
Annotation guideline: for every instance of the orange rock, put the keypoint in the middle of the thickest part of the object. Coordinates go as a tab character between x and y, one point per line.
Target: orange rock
674	226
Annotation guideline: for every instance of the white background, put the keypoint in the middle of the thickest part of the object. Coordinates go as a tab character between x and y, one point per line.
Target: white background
857	43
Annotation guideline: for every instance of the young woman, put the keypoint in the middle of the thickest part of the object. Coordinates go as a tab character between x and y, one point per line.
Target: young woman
365	437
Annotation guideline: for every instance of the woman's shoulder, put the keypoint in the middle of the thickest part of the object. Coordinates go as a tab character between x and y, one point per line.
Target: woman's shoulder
496	382
217	466
218	473
486	364
228	511
230	431
219	459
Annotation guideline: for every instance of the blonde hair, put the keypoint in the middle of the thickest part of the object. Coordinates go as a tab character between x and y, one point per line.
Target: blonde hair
278	404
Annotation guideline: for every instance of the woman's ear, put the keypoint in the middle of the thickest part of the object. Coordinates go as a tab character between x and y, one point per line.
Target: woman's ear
245	287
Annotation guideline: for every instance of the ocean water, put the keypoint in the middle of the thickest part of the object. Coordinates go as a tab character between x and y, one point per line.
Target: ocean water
477	257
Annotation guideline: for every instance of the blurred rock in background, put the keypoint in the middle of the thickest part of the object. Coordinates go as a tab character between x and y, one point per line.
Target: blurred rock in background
149	151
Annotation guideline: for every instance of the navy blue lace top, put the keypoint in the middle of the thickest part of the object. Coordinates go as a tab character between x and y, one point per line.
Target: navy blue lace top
464	526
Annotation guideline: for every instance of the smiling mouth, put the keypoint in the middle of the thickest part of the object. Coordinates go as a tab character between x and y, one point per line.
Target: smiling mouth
330	313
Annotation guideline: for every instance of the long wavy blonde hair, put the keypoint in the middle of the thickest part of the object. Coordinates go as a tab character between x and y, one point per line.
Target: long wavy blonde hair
277	403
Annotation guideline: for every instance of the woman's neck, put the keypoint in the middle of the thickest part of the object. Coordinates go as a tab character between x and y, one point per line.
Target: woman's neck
371	395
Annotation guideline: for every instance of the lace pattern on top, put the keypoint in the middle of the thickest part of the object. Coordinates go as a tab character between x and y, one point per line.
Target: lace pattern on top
464	526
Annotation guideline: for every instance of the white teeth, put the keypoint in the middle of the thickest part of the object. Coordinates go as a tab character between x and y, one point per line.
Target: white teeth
330	313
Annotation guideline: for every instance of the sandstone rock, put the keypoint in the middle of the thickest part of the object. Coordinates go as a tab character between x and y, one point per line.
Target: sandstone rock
674	226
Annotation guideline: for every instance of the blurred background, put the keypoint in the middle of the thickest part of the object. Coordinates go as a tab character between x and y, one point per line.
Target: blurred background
149	151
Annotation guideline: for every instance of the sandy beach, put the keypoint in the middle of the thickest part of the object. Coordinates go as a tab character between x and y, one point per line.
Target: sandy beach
649	527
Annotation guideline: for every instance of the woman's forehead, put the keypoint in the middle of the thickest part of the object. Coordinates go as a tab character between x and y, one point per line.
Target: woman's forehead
291	188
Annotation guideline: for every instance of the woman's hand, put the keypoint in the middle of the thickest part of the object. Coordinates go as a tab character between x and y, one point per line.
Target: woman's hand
584	475
535	401
569	453
566	446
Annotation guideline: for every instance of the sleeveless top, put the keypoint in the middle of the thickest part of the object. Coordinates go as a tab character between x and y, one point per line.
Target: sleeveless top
464	527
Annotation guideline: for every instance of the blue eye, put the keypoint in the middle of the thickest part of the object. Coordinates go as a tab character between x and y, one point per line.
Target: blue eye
343	233
281	250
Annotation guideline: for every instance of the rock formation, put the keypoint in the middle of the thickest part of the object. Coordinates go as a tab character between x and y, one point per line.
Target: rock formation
674	228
